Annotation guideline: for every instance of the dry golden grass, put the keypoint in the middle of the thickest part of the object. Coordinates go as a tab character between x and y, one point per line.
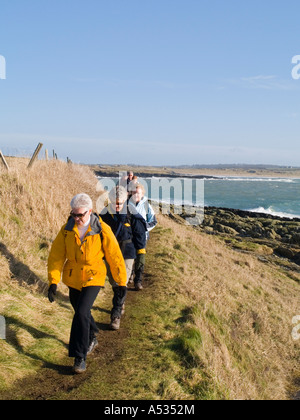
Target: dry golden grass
232	340
239	315
34	204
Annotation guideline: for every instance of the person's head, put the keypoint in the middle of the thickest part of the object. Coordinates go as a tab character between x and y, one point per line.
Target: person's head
82	207
132	185
139	193
130	175
118	197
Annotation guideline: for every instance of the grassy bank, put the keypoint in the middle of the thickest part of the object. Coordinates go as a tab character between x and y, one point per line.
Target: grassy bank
34	205
234	334
211	324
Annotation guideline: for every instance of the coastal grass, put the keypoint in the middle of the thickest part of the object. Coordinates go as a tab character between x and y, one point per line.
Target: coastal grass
34	206
233	338
211	323
249	245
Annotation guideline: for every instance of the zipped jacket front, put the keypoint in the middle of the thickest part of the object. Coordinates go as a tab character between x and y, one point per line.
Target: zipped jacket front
81	263
130	231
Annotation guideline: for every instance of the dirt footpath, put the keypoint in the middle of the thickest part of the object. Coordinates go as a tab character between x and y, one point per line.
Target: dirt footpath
57	381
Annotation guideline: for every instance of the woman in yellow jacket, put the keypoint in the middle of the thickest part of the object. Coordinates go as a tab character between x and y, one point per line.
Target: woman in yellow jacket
77	256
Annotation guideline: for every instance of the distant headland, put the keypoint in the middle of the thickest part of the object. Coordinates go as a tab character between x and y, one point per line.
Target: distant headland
201	171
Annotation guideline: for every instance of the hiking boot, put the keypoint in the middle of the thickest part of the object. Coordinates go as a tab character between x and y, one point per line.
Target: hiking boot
79	365
138	286
92	346
115	324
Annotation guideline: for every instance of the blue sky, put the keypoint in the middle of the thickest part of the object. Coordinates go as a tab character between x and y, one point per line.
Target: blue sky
154	82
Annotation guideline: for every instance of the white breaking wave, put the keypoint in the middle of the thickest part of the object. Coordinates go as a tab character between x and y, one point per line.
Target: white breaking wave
286	180
272	212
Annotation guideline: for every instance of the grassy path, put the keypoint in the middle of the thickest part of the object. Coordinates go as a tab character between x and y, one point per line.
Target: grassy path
210	323
128	364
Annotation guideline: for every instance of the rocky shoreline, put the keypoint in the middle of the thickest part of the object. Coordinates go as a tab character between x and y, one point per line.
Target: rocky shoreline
171	174
270	237
259	233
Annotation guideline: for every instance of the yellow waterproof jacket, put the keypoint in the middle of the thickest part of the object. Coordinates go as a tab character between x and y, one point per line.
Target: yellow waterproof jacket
81	264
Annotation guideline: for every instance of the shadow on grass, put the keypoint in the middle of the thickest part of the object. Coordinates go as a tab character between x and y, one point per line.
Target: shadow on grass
24	275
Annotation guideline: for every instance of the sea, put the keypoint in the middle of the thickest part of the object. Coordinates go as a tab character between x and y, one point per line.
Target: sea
275	196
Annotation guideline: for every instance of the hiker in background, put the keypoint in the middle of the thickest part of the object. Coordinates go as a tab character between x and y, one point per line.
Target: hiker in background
126	179
130	176
130	233
139	204
131	188
77	255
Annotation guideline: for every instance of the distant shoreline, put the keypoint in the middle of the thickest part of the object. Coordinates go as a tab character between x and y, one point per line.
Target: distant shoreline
147	172
203	173
106	174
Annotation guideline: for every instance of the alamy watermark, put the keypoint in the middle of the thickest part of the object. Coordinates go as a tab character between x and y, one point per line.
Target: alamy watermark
296	329
2	328
2	68
181	196
296	68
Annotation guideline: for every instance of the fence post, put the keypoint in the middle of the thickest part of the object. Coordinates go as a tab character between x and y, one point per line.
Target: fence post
4	160
35	154
46	155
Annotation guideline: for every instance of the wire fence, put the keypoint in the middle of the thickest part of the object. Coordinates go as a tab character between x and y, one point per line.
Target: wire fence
8	151
11	151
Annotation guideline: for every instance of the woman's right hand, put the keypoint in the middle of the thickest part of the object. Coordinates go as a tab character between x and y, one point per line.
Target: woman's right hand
52	292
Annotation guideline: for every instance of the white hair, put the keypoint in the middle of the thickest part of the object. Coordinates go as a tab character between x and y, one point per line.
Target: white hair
82	201
118	193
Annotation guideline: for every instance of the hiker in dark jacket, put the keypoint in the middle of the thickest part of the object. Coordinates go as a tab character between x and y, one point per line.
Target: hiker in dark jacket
130	231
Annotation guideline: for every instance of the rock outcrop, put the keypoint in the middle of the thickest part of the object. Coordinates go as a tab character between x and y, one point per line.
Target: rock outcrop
274	235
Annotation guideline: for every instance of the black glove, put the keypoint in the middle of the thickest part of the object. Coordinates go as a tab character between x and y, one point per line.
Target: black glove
52	292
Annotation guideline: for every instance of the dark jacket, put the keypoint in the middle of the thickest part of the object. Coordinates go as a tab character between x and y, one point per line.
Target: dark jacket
130	231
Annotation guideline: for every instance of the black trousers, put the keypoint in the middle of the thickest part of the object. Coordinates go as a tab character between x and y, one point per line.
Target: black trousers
119	298
84	327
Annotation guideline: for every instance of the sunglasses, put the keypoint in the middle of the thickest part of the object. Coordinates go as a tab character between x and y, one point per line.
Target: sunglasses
78	216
